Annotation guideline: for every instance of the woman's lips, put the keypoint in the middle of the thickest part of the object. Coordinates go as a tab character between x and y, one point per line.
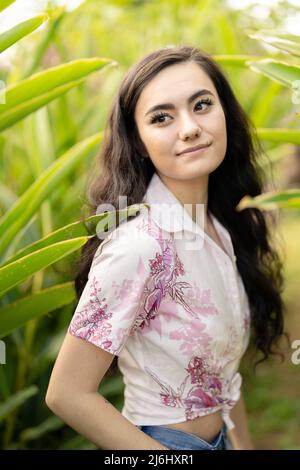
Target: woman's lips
199	150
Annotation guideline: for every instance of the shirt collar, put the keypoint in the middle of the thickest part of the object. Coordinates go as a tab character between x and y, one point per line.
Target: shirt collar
167	211
170	215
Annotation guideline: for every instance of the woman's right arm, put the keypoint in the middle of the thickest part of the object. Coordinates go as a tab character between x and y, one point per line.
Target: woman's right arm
73	396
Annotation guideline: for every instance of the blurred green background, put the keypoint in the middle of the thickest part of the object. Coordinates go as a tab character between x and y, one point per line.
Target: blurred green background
51	127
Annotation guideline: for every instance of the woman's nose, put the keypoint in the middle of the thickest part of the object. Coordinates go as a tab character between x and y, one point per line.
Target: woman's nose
190	132
189	129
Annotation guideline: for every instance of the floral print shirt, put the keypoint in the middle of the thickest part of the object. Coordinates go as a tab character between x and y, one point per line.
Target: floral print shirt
169	302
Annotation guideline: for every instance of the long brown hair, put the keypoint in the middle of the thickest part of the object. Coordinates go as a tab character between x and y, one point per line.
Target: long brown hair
123	172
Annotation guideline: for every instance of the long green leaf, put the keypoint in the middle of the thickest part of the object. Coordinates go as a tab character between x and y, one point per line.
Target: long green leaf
10	37
16	314
30	201
17	400
280	136
77	443
41	88
225	32
5	3
50	424
285	42
54	22
281	72
16	272
262	100
288	199
235	60
74	230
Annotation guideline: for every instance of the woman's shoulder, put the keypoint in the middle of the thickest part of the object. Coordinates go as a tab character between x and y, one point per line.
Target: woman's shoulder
135	235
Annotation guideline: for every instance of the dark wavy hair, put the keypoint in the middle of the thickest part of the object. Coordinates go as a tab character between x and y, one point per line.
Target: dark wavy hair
122	171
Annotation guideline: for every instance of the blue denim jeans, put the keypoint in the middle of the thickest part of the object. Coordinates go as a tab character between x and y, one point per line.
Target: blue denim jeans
175	439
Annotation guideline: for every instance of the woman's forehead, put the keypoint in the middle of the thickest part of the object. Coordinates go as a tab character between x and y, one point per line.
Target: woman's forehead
174	84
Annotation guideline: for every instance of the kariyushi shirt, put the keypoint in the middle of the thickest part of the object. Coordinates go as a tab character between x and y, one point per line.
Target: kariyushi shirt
169	302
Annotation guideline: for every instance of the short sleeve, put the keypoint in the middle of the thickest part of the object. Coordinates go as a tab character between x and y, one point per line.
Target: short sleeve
120	293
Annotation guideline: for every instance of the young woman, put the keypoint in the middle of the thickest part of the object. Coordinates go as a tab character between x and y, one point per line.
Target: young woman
178	291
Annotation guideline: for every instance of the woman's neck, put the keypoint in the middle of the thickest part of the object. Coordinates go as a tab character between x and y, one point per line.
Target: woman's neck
192	194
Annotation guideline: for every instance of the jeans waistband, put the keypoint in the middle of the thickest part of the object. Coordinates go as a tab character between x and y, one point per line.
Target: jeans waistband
177	439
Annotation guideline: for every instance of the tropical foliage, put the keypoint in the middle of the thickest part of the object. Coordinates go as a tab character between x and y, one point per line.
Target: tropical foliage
58	89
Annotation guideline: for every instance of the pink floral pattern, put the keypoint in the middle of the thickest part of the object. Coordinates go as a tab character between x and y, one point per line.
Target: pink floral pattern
92	322
200	389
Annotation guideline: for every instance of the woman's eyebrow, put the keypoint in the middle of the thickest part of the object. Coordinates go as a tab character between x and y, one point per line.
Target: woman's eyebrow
171	106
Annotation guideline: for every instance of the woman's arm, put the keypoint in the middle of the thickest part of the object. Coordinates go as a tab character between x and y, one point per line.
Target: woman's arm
92	416
73	396
239	435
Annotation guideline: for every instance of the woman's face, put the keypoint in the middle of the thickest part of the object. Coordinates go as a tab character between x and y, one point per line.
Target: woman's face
167	132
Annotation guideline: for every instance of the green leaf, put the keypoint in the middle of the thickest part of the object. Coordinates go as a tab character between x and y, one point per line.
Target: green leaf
289	199
17	400
5	3
41	88
77	229
285	42
263	100
22	29
50	424
25	207
42	45
17	313
281	72
16	272
225	32
279	136
235	60
77	443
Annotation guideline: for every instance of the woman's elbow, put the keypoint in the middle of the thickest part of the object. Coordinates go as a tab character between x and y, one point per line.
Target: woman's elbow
53	398
49	400
61	399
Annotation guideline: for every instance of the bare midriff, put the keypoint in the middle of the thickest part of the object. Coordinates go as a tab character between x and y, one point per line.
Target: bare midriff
206	427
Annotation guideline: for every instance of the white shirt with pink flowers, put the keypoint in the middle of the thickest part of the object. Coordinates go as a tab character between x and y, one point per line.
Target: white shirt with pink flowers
170	303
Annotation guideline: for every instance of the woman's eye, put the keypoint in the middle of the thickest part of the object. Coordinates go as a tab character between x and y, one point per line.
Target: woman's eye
161	115
158	116
206	101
